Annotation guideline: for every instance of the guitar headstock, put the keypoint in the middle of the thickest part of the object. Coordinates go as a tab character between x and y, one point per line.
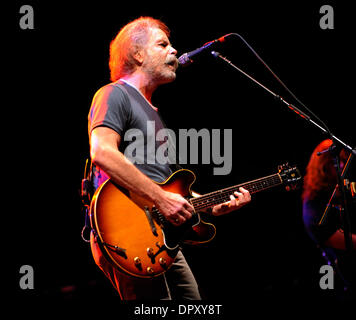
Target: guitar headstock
290	176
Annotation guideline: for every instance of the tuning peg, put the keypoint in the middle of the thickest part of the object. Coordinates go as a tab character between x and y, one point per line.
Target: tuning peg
283	166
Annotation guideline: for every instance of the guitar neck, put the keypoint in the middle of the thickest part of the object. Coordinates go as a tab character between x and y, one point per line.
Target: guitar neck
217	197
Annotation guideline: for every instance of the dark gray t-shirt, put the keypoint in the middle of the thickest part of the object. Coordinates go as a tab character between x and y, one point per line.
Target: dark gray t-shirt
120	107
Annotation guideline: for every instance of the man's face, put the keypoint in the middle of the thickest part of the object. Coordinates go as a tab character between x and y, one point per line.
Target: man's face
160	61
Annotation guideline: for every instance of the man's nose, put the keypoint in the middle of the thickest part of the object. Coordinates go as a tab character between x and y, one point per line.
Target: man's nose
173	51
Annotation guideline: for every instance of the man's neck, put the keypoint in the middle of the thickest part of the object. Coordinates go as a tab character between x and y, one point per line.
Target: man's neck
141	83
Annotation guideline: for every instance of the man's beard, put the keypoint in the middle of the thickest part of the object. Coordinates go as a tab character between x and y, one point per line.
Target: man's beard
162	73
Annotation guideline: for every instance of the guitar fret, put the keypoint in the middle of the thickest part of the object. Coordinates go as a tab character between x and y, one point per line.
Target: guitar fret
221	196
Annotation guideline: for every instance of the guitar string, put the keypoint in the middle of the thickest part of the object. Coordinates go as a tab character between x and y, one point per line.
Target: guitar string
223	195
218	199
252	185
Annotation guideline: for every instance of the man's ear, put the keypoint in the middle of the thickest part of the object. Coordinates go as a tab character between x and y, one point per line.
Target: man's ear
138	56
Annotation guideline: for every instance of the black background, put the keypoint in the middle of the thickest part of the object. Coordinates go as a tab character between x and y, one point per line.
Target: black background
260	251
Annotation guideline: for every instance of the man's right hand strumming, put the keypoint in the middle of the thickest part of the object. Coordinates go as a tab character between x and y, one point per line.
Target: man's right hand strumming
174	207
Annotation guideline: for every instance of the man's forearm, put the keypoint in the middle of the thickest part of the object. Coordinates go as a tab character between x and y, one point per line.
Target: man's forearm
124	173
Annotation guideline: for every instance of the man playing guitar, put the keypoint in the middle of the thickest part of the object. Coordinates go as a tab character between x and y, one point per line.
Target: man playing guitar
141	59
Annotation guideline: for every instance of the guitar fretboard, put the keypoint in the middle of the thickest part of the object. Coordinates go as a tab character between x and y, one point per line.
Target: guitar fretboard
217	197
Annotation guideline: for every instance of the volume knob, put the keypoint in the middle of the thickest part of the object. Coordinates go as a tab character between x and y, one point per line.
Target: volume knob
137	261
162	262
150	270
150	252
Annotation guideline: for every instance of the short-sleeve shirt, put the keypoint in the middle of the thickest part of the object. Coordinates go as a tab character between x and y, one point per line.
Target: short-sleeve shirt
122	108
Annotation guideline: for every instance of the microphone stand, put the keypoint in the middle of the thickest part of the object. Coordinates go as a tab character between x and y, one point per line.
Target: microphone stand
340	177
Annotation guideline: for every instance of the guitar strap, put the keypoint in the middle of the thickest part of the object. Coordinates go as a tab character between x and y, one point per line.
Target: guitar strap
86	193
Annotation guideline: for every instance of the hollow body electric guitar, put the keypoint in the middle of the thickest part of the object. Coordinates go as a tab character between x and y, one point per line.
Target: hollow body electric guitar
136	237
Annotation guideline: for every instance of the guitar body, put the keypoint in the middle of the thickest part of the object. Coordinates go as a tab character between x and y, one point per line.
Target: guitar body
134	236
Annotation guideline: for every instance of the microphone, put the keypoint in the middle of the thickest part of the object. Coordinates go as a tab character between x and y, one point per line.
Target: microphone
185	58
